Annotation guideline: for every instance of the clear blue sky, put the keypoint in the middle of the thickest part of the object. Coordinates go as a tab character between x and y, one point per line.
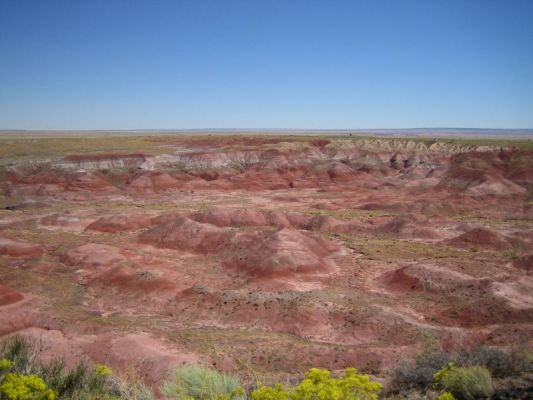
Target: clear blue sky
108	64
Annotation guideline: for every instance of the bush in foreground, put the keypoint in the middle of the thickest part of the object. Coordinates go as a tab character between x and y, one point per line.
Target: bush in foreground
24	377
318	384
446	396
419	373
468	383
501	364
199	383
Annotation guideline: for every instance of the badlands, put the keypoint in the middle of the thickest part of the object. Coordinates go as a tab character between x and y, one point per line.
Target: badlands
263	255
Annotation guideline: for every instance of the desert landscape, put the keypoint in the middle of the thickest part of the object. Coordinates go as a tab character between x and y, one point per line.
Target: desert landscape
264	255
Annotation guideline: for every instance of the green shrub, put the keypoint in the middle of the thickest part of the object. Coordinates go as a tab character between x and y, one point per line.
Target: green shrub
419	374
21	353
129	387
319	385
500	363
199	383
468	383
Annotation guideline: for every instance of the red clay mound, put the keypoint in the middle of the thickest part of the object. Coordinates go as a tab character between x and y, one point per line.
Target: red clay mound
485	173
9	296
433	278
524	263
90	182
326	223
94	255
128	280
325	205
153	181
278	253
520	169
120	223
168	217
48	177
257	253
472	168
400	281
299	220
62	220
479	238
223	217
496	186
20	249
407	227
277	218
341	173
396	227
188	235
326	174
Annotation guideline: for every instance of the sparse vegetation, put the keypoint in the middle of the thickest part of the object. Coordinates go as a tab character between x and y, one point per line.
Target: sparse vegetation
459	373
24	377
419	374
385	292
200	383
468	383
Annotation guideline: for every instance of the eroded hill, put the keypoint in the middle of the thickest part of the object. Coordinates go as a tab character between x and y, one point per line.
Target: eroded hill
264	255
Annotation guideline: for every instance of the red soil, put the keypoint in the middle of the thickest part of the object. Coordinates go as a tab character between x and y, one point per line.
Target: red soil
94	255
19	249
185	234
278	253
399	281
524	263
120	223
257	253
236	251
9	296
128	280
150	182
480	238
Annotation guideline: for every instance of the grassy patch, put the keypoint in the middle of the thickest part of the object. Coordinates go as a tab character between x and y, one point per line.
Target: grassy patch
392	249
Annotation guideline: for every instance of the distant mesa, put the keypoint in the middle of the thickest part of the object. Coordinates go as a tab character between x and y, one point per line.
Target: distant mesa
102	161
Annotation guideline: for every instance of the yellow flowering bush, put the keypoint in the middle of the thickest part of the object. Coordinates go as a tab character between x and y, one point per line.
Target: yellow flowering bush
276	392
319	385
446	396
103	370
25	387
5	364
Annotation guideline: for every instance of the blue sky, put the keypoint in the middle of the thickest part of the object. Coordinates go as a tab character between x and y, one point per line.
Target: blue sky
109	64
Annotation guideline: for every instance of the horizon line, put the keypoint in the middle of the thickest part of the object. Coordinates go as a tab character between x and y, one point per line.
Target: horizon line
261	129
